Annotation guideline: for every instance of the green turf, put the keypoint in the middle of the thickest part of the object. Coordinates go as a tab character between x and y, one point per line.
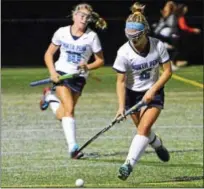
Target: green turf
33	146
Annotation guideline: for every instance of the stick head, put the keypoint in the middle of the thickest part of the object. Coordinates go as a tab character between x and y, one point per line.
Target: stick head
77	155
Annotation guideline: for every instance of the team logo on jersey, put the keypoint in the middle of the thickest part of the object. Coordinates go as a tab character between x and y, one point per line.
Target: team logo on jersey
74	48
145	65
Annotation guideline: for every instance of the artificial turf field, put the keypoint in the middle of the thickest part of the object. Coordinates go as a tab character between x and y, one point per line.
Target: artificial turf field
34	151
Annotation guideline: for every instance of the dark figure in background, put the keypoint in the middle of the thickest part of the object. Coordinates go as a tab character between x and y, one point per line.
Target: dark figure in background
187	35
167	25
167	30
182	23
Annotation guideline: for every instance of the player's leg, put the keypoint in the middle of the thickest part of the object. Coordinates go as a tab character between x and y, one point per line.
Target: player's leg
68	101
60	110
76	86
49	99
140	141
154	140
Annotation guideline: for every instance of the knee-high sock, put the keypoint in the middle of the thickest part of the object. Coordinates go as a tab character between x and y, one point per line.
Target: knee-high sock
69	127
137	148
54	102
154	141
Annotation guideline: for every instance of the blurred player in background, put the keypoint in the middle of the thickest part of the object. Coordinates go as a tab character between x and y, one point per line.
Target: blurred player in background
77	42
187	35
167	31
137	65
182	23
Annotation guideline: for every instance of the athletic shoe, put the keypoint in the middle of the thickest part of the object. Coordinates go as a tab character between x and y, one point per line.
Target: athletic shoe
162	152
181	63
74	154
124	171
174	67
43	103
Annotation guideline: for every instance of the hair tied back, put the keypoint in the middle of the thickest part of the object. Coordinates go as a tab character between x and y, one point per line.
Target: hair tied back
137	8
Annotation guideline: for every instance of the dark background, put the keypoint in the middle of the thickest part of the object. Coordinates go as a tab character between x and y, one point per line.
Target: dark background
28	26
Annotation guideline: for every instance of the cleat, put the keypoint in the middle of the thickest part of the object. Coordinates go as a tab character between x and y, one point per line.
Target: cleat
124	171
43	103
162	152
74	154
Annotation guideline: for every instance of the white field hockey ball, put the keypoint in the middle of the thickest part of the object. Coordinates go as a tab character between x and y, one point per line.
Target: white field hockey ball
79	183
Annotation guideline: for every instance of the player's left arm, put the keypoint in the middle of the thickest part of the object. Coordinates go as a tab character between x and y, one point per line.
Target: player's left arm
99	61
166	65
98	56
165	76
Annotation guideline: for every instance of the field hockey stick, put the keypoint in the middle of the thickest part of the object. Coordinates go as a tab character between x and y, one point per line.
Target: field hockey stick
48	80
116	120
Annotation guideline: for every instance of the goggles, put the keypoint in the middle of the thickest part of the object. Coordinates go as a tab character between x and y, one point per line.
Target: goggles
134	30
88	17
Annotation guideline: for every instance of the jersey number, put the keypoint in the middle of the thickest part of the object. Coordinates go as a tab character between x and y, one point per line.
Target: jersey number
74	57
145	74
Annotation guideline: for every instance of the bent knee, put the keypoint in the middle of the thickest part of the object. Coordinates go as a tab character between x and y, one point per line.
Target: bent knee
68	111
59	116
144	130
64	113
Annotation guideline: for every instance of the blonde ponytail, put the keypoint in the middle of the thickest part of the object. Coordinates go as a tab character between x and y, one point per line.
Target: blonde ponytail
137	15
137	8
99	22
95	18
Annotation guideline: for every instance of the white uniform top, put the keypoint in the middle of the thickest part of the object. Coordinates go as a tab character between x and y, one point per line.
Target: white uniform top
72	51
142	72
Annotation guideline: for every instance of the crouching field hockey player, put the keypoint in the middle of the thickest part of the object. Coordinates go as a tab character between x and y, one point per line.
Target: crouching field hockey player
77	42
137	65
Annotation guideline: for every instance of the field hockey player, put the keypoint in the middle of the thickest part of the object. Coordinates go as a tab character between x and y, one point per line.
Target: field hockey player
137	64
77	42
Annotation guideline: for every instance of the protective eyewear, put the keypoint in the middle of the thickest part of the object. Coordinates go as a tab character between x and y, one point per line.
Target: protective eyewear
134	30
88	17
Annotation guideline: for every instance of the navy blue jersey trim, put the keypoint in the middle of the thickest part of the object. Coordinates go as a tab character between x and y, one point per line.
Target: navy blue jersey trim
77	37
142	54
165	61
55	44
98	51
118	71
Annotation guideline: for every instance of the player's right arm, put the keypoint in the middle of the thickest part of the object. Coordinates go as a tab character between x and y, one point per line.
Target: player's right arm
120	90
49	54
120	66
49	61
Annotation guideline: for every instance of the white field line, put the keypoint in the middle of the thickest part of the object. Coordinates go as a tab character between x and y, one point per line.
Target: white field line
174	76
37	168
187	137
97	128
29	168
56	150
111	97
183	93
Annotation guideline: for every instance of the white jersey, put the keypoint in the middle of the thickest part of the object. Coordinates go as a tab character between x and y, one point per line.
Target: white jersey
73	51
142	72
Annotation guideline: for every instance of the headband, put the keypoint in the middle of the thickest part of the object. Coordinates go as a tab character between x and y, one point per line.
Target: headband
134	26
